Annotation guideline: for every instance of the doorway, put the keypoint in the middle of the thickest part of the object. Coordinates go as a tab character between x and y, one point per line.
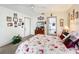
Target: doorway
27	26
52	25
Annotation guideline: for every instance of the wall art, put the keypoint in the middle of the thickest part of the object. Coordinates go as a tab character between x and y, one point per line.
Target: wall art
20	20
15	19
77	15
20	23
73	13
9	19
9	24
15	15
61	22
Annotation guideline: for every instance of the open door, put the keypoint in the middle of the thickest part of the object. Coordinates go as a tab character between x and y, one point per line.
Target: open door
27	26
52	25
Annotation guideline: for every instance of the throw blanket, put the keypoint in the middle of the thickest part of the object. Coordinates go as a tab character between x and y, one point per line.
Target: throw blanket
43	44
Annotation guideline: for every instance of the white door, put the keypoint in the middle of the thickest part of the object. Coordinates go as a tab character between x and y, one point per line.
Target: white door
52	25
27	26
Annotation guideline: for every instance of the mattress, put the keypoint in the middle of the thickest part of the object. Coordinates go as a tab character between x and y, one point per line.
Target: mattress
43	44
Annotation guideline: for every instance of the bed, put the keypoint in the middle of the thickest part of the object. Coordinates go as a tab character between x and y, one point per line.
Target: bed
43	44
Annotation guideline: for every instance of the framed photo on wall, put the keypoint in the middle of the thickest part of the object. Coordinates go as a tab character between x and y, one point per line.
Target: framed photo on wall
15	19
61	22
77	15
9	24
15	15
20	20
20	23
9	19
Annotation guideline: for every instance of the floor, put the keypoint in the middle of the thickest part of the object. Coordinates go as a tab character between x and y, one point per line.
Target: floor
11	48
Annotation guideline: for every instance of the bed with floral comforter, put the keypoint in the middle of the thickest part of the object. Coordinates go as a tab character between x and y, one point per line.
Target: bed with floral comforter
43	44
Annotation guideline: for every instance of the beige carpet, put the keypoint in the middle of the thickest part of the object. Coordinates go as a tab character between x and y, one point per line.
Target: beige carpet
11	48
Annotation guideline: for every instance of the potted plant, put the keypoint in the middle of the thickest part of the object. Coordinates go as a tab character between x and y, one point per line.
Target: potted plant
16	39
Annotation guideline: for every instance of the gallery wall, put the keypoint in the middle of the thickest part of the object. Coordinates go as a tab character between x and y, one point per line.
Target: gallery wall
6	33
74	26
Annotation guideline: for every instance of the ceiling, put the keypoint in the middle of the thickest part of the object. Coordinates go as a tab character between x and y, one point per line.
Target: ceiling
36	9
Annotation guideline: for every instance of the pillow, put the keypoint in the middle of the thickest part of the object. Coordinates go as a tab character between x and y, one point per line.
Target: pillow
73	38
68	43
63	35
66	37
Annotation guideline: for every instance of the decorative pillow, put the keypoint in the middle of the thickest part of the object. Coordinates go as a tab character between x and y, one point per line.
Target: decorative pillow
73	38
63	35
69	43
66	37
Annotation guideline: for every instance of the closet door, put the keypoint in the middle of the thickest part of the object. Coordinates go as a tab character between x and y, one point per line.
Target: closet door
27	26
52	25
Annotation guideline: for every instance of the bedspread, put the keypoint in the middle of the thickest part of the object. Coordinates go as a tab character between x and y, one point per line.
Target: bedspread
43	44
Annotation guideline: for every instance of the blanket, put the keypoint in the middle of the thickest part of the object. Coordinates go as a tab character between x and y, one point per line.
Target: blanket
43	44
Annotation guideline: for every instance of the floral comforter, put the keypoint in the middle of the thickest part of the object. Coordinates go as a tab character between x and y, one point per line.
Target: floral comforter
43	44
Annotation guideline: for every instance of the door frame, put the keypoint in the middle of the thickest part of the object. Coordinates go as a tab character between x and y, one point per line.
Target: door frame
25	26
48	23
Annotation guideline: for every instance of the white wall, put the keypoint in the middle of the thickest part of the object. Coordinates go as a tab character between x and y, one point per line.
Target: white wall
75	25
59	15
6	33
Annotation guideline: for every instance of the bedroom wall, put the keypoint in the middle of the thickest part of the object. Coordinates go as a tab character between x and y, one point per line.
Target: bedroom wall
59	15
76	25
6	33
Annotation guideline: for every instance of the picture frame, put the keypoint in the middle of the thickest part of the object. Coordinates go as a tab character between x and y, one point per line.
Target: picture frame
15	19
9	19
15	15
9	24
61	22
15	24
73	13
20	20
77	14
20	23
71	17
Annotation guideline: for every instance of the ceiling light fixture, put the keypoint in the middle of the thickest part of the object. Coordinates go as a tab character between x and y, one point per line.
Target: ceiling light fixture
32	6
